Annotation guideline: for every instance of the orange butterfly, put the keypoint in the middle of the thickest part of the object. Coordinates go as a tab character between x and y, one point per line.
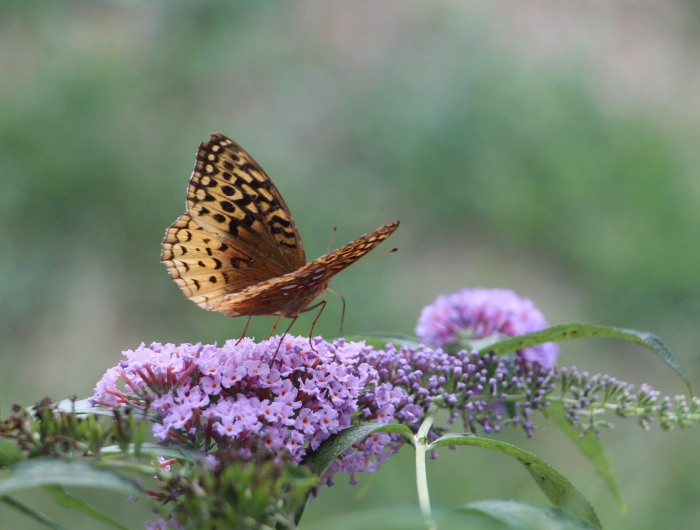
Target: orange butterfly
237	249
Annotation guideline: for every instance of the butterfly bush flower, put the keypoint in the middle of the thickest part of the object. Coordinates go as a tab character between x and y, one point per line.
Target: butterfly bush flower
482	313
235	398
225	396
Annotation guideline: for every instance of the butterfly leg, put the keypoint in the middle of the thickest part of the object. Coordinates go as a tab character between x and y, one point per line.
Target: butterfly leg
244	330
282	339
274	327
342	315
323	306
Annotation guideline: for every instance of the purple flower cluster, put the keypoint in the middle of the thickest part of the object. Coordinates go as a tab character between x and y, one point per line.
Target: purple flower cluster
226	396
236	397
475	314
470	386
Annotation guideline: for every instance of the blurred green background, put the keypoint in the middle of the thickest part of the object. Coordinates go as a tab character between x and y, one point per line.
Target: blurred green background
543	146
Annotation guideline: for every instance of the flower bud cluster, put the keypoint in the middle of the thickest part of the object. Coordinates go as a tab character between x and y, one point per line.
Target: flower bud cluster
468	385
587	397
261	493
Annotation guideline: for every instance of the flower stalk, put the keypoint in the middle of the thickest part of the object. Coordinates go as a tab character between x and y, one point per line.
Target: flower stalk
421	445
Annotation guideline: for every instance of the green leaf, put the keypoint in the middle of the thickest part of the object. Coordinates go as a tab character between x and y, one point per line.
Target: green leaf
574	330
320	459
380	340
406	517
518	515
592	449
40	472
553	484
30	512
10	453
68	500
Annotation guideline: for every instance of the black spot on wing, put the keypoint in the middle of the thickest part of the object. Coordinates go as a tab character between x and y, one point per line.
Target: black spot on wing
244	201
280	220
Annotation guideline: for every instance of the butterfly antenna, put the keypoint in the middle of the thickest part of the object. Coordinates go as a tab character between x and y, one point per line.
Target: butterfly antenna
342	315
282	339
244	330
375	257
335	228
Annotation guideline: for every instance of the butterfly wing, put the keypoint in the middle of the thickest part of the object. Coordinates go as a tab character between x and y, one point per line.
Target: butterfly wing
230	195
238	230
203	265
288	295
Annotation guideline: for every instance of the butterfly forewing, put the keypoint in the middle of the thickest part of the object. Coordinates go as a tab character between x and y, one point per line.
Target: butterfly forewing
230	195
288	295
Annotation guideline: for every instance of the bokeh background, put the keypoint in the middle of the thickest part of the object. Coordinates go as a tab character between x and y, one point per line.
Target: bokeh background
548	147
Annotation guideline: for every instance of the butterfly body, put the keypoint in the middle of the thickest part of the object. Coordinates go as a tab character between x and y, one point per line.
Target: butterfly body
237	249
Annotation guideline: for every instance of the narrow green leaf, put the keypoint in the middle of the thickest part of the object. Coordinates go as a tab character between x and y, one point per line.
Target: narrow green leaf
30	512
46	472
592	449
405	517
321	458
68	500
518	515
553	484
574	330
380	340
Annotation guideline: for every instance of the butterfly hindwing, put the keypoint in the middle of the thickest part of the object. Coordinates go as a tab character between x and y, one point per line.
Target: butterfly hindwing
205	267
288	295
345	256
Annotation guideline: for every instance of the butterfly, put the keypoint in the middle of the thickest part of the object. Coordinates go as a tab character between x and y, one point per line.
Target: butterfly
237	249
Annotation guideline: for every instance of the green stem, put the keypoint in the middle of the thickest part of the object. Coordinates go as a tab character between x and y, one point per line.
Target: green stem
420	442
